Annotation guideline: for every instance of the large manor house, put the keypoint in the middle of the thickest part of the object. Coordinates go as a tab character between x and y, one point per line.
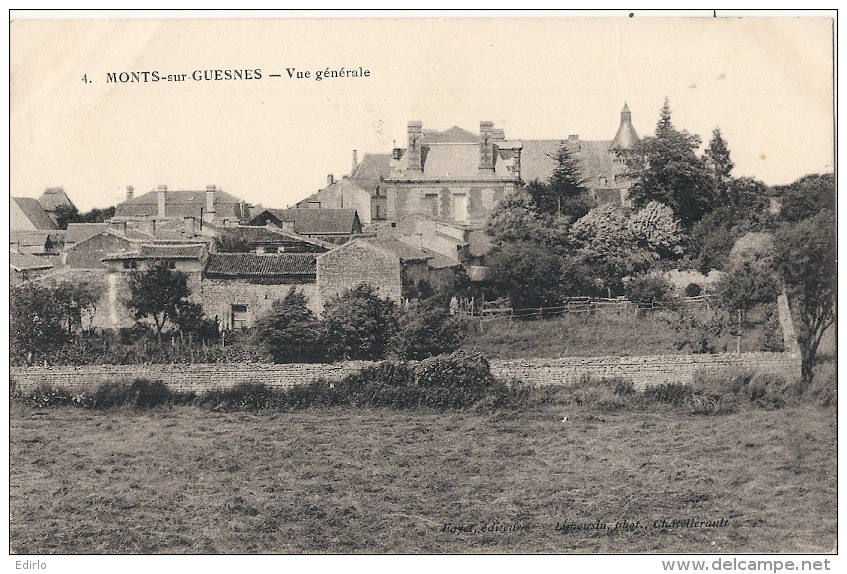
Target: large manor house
415	214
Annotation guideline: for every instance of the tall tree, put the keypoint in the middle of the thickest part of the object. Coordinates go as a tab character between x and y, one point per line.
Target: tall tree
807	196
666	169
516	218
806	258
719	163
359	324
563	193
157	294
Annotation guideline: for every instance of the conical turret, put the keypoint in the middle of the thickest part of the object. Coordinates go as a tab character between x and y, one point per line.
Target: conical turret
626	138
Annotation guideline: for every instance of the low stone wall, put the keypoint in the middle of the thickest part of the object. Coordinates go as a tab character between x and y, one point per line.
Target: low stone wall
643	371
197	377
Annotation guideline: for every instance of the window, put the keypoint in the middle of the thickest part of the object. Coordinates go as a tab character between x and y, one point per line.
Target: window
130	264
240	317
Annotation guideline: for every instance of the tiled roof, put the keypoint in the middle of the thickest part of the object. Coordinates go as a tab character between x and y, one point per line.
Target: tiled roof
451	135
180	204
160	252
81	231
23	262
252	265
34	212
273	236
318	221
448	161
404	251
36	238
53	197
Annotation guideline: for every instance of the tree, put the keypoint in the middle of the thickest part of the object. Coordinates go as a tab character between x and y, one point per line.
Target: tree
656	229
649	288
746	284
37	322
516	218
190	319
666	169
157	294
66	214
426	330
806	257
807	196
564	193
527	273
289	332
359	324
609	247
719	164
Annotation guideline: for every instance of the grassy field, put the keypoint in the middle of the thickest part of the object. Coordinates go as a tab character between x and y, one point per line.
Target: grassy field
187	480
603	334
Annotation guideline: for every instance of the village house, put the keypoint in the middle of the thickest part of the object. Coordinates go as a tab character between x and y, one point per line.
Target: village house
23	267
331	225
270	239
238	288
25	213
211	206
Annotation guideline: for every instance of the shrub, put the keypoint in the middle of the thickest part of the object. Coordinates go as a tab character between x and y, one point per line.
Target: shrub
649	288
289	332
244	396
669	393
458	369
359	324
425	331
693	290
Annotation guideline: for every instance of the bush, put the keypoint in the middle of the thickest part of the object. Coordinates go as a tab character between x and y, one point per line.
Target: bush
425	331
359	324
649	288
693	290
289	332
457	369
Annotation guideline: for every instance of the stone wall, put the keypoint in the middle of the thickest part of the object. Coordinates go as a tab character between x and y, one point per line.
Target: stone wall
643	371
356	263
219	295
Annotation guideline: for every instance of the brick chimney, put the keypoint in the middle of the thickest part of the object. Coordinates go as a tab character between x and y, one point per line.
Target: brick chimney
330	179
486	145
130	192
161	197
210	201
355	164
188	226
517	164
413	153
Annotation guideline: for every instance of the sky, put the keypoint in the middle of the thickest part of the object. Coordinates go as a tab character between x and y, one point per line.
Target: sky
767	83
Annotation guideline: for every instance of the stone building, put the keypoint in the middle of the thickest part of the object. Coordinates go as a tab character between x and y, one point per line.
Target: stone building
211	206
358	262
238	288
270	239
331	225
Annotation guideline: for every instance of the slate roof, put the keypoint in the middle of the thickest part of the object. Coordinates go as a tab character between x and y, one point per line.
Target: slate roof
34	212
410	253
316	221
36	239
451	135
252	265
373	166
25	262
81	231
54	197
180	203
594	158
451	161
626	138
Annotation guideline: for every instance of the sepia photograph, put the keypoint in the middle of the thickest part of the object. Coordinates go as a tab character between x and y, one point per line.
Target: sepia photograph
416	283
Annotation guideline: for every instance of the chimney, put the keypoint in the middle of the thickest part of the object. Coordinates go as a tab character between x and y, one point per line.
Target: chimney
188	226
573	138
498	134
130	192
330	179
486	146
210	201
355	164
413	153
161	196
517	164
